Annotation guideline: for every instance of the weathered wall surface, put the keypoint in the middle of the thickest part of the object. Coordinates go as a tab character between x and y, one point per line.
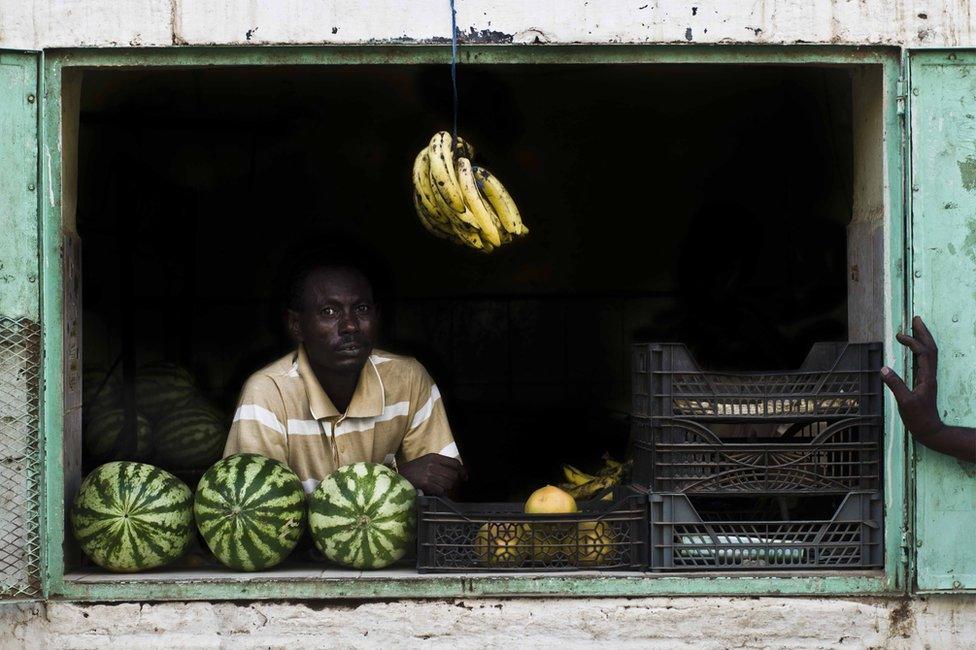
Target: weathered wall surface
660	622
109	23
944	622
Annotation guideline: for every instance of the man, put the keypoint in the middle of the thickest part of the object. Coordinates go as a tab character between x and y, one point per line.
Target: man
336	401
918	408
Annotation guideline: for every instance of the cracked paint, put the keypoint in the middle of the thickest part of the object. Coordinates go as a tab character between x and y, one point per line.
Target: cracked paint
967	170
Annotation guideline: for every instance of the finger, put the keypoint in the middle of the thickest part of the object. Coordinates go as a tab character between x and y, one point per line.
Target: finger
896	384
435	486
444	474
462	471
925	356
914	345
921	331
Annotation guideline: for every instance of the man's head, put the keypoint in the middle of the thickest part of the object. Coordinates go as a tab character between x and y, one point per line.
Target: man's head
331	311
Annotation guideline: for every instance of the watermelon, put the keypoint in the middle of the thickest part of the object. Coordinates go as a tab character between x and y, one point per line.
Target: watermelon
162	387
250	511
363	516
191	437
104	433
131	517
99	391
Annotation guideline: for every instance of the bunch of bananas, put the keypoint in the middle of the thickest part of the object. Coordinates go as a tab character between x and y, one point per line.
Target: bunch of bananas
584	486
459	201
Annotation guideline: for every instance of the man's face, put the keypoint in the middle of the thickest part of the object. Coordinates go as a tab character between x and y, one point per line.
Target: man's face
338	320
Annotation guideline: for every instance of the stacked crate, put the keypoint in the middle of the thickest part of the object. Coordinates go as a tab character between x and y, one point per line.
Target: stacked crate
733	462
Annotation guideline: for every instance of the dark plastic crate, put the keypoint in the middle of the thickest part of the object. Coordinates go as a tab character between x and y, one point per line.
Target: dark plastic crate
682	539
837	380
499	537
679	455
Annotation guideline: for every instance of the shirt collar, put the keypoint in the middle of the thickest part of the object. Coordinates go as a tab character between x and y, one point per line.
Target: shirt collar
367	400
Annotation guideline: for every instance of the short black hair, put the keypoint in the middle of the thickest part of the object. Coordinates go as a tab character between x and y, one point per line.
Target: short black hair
296	288
351	254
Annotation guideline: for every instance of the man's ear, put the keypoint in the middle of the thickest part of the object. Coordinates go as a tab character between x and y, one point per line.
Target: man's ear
295	326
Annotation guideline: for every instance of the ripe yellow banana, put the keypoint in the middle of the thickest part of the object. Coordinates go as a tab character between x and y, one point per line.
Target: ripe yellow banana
589	489
443	176
465	219
501	201
422	186
477	205
469	238
438	229
575	476
463	149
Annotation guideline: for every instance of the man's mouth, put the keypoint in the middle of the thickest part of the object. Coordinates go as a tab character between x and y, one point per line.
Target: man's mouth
350	348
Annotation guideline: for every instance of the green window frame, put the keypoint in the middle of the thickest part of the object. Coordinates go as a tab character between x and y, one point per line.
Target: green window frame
59	90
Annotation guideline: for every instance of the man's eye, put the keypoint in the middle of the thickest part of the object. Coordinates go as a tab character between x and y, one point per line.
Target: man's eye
328	311
364	309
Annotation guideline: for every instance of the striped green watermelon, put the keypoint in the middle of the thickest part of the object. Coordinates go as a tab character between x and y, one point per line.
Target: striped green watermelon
191	437
99	391
363	516
132	517
250	510
162	387
103	437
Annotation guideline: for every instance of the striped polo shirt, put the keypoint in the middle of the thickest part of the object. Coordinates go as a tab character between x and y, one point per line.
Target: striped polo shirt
395	413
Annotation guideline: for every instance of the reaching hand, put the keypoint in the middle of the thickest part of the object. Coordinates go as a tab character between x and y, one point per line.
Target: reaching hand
918	407
433	474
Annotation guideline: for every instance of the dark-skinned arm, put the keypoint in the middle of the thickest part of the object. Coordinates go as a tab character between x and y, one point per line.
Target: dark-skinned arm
919	407
434	474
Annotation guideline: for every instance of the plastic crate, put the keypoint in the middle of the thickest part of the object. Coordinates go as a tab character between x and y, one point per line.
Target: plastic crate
678	455
682	539
499	537
836	380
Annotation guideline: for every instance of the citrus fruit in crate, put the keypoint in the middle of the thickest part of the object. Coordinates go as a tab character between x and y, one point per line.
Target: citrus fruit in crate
550	539
503	543
594	543
363	516
550	500
131	517
250	511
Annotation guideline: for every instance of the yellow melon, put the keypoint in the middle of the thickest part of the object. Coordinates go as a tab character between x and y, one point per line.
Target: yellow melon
550	500
502	544
594	543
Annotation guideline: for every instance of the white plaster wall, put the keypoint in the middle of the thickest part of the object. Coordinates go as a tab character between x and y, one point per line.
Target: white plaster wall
114	23
705	623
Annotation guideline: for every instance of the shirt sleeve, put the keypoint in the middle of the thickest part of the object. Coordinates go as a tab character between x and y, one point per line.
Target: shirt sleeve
258	426
428	431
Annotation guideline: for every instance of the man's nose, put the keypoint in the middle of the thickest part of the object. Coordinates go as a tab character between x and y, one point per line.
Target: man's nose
349	324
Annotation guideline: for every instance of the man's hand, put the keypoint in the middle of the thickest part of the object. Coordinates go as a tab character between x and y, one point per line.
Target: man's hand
918	407
433	474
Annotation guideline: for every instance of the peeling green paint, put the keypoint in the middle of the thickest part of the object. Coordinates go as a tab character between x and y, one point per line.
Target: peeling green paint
944	293
969	243
967	172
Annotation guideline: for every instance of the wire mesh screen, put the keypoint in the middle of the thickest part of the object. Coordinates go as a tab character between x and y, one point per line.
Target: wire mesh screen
20	474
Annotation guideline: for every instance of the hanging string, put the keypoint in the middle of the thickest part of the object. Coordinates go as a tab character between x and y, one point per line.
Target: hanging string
454	66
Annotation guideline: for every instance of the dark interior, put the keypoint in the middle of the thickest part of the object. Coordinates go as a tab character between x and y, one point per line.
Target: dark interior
700	204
